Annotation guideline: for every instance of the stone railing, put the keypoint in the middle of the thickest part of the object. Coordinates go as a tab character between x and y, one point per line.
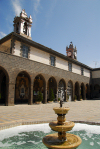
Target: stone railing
5	49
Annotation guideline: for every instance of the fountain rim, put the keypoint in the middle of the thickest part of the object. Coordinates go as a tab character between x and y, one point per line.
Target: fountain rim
74	145
61	110
30	122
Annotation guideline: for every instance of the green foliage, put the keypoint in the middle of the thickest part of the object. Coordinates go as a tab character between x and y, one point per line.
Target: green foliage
51	95
58	99
67	97
75	97
39	96
80	96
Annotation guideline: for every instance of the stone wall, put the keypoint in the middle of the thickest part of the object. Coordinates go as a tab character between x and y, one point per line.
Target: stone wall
15	64
96	74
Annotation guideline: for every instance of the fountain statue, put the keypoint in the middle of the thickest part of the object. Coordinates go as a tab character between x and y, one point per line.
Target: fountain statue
61	140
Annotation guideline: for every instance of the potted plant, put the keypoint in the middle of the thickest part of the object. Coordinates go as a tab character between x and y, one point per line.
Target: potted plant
39	98
67	97
51	96
80	97
75	98
58	99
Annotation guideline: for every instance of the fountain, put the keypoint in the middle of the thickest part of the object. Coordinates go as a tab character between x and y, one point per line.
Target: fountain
61	140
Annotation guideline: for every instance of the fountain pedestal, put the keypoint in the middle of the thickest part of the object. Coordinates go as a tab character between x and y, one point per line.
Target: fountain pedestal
61	140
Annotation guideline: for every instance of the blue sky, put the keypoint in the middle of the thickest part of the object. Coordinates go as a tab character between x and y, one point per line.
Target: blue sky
58	22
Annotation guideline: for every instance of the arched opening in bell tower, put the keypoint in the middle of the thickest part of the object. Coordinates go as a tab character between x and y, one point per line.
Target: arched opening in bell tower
25	28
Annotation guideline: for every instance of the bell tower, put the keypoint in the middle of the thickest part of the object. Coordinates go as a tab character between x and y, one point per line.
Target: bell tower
22	24
71	51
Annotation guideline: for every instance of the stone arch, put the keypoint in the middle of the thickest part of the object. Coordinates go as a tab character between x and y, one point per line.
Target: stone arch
70	90
4	86
39	85
22	88
62	86
52	84
91	91
82	91
87	91
96	91
77	90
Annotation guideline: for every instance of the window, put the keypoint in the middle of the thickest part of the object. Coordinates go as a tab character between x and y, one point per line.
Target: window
82	71
52	60
70	66
25	51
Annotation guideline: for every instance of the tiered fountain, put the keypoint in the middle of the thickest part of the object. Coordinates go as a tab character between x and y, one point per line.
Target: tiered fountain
61	140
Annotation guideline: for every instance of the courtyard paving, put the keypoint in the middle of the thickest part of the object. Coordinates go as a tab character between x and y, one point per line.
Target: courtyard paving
80	111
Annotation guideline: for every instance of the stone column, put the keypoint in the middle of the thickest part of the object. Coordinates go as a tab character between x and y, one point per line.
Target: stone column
84	93
66	95
88	91
31	90
79	92
29	30
11	93
57	92
21	26
45	100
31	95
0	85
73	92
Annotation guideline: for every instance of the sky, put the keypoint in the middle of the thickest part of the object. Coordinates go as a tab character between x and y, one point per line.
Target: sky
58	22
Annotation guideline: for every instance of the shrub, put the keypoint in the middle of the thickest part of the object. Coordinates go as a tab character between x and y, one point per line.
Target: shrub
39	96
75	97
80	96
51	95
58	99
67	97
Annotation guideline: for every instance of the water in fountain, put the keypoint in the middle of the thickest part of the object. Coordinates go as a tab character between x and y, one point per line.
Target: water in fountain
30	136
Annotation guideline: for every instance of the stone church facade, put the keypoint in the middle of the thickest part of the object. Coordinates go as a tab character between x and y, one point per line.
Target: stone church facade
27	67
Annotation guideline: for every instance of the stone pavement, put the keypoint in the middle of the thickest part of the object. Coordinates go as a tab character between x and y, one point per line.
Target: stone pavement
80	111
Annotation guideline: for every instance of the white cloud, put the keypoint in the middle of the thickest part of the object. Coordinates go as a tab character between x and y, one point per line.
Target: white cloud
50	11
16	6
94	64
36	5
2	35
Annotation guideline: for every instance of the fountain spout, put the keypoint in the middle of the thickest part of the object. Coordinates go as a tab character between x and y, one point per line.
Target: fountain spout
61	102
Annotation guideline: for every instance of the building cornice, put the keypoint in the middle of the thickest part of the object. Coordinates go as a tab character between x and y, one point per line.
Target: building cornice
95	69
43	48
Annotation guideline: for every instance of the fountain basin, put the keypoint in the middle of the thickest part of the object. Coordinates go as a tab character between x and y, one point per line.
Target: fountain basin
61	110
60	128
30	136
51	141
